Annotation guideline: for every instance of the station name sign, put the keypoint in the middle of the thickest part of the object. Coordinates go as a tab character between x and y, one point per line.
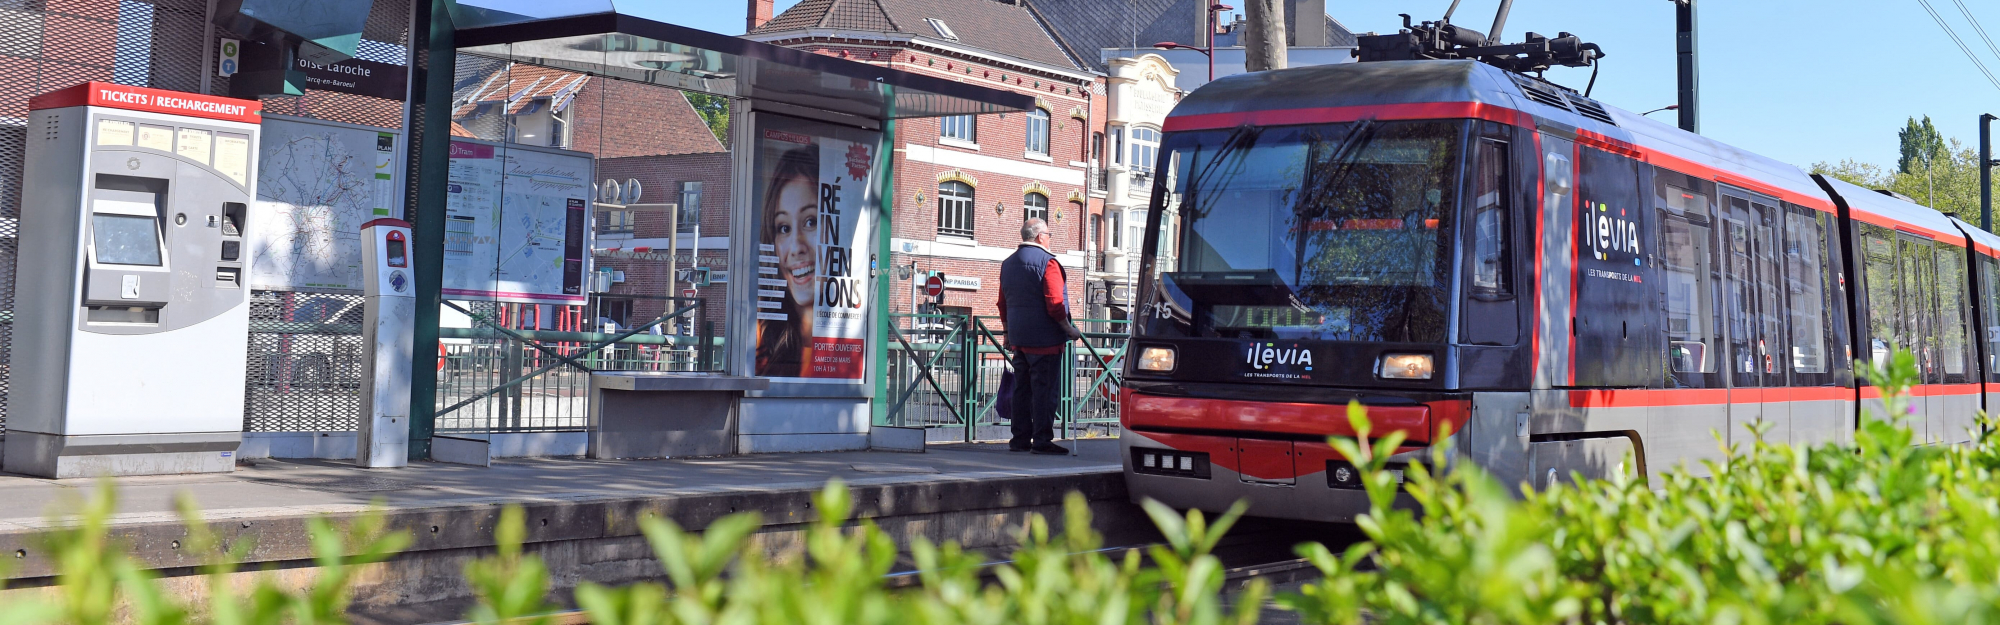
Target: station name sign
283	69
356	76
150	100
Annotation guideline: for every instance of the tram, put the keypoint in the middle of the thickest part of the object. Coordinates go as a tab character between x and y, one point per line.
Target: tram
1557	284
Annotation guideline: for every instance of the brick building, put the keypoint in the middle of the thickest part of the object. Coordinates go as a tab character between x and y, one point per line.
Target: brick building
964	184
660	141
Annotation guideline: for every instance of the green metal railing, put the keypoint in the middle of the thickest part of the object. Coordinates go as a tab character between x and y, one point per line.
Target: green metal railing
944	371
498	379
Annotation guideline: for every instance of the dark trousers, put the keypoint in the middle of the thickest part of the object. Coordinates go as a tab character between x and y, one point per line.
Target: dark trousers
1037	380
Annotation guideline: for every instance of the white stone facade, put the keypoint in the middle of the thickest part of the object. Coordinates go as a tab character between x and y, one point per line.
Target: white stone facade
1141	94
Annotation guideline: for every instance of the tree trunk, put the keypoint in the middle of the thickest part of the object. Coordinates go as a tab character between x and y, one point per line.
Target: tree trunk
1264	43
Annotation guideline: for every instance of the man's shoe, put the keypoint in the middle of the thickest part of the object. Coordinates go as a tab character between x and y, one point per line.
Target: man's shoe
1013	446
1051	449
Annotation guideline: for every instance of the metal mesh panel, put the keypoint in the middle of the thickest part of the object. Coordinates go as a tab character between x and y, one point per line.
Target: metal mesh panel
135	46
304	362
43	48
179	54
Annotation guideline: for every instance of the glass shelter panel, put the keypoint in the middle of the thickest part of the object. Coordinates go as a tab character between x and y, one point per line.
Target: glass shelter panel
571	245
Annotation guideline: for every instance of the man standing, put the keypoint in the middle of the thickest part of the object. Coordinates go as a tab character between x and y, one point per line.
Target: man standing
1034	304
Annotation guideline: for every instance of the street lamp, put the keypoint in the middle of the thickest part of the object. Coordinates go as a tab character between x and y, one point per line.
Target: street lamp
1209	51
1670	107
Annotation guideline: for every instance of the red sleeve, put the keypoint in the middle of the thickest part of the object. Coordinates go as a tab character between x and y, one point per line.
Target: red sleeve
1052	291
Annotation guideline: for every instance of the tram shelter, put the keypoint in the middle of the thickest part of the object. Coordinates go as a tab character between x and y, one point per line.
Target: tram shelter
788	326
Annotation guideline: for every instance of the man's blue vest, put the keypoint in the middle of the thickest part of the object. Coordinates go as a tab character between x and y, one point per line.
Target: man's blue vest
1028	322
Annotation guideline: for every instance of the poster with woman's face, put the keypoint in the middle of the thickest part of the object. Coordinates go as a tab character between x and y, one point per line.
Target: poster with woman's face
815	217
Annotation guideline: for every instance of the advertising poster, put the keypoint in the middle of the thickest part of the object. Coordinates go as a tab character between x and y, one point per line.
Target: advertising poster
816	212
515	224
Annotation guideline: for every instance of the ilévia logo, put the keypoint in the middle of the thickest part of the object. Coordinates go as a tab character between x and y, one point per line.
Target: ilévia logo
1262	356
1609	233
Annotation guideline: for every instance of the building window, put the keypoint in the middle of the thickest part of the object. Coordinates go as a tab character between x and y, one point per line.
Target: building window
959	127
1145	148
614	222
1036	206
1135	226
1117	219
942	29
1038	132
559	136
538	124
955	208
1096	147
690	217
1118	145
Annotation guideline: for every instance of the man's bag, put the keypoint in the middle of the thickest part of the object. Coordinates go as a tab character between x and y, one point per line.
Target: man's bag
1003	400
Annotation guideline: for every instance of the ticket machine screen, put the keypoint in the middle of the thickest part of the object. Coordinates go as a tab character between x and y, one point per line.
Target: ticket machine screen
126	239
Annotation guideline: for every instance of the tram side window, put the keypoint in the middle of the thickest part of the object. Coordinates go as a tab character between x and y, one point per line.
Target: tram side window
1808	288
1687	254
1919	303
1772	348
1756	325
1951	314
1878	256
1491	257
1989	325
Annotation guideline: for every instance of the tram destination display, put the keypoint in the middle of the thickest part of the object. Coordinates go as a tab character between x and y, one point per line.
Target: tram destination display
816	210
515	223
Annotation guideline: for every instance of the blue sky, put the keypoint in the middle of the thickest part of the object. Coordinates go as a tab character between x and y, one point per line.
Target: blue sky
1796	80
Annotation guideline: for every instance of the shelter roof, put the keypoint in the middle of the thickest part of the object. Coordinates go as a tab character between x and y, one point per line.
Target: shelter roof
1002	28
1087	27
586	37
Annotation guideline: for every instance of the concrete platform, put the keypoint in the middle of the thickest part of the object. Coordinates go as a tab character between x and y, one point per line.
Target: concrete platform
582	514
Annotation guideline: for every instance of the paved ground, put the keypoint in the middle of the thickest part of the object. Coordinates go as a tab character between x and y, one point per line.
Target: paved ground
290	487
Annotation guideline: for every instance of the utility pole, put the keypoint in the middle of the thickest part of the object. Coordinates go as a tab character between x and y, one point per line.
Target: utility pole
1690	77
1986	164
1264	41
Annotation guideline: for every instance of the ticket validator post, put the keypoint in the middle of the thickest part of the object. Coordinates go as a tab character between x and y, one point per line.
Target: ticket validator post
131	317
388	328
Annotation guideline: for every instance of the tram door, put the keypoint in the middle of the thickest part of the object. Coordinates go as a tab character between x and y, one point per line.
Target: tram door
1759	360
1917	269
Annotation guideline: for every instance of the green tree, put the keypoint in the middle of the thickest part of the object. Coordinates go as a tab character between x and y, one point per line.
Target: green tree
713	109
1855	172
1919	146
1933	170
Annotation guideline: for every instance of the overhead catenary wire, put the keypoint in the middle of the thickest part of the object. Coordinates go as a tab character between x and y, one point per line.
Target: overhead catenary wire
1977	29
1961	43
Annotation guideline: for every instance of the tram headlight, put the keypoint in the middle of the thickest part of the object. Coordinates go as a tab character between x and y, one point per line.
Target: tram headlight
1160	359
1404	367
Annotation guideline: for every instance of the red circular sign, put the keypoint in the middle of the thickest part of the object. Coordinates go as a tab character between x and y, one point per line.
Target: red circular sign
934	286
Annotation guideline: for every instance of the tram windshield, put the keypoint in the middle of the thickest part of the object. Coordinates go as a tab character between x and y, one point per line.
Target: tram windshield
1327	232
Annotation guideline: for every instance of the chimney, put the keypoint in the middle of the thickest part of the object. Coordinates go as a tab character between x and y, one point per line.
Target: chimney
760	12
1306	22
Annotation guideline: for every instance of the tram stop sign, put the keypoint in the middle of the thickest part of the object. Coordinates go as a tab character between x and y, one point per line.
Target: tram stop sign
934	285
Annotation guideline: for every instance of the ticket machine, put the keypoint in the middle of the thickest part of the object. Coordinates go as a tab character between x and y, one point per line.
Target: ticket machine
131	318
